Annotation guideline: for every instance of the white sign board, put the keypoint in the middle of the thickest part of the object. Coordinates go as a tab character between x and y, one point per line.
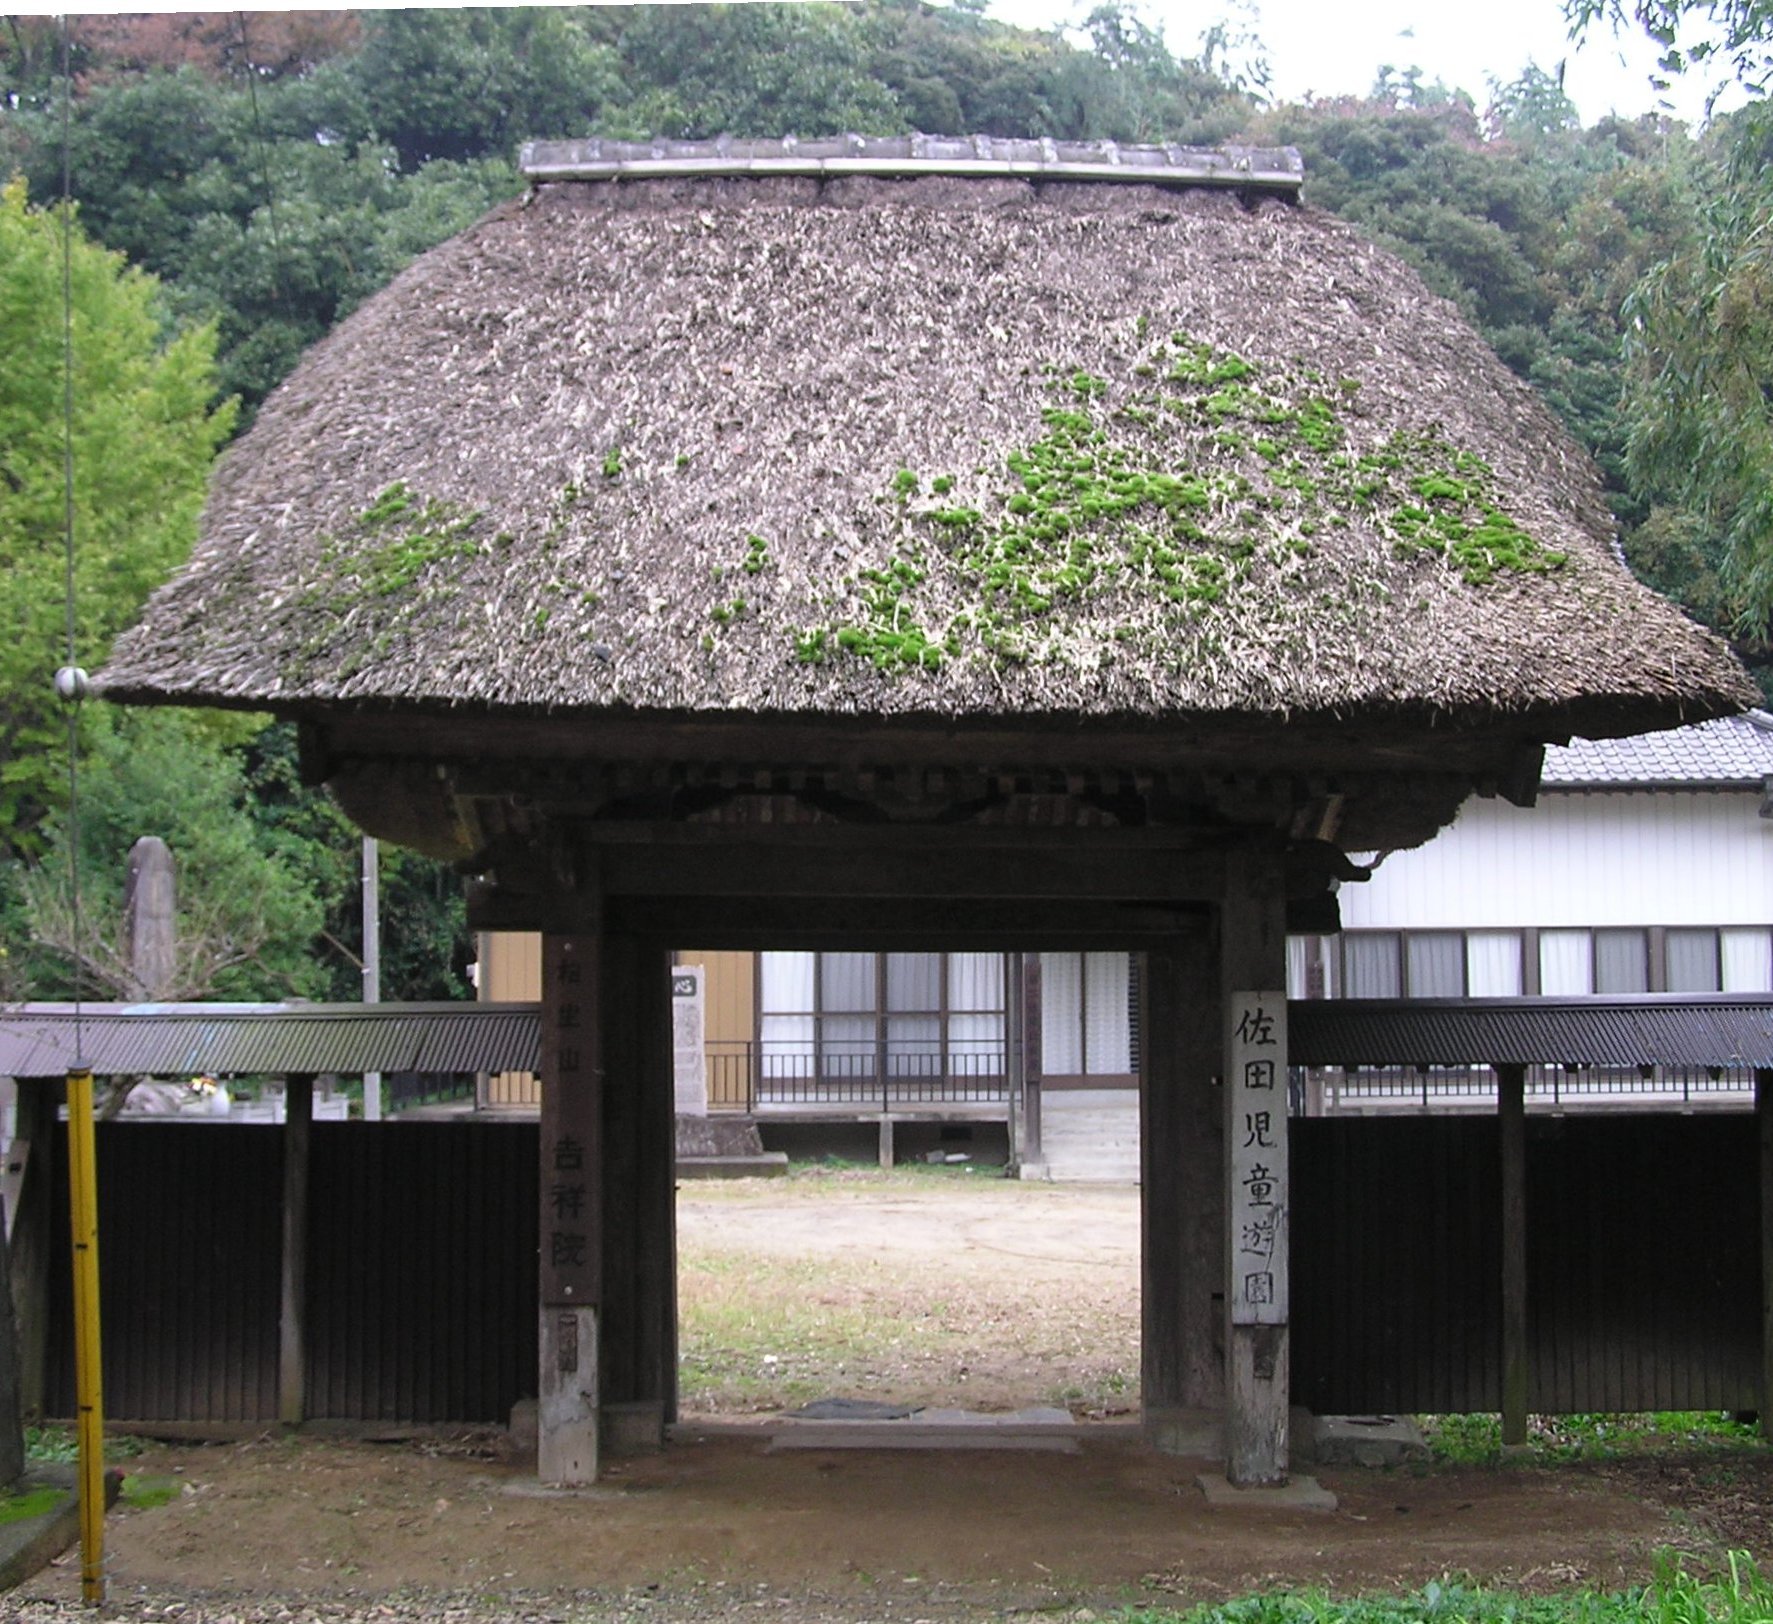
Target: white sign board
1256	1130
688	1023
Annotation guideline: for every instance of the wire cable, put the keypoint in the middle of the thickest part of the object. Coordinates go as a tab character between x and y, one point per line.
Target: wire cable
70	681
264	156
70	688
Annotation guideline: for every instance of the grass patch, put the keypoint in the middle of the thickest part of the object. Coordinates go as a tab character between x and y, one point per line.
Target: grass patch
33	1503
1737	1594
1110	1390
1476	1440
914	1172
50	1446
764	1333
145	1490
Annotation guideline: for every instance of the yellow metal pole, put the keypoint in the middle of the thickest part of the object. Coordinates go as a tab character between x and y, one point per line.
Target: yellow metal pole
88	1387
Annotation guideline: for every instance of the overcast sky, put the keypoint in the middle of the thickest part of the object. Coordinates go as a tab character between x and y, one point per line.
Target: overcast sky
1328	49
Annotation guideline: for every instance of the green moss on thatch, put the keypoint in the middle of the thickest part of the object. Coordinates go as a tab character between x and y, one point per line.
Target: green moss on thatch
1098	504
398	537
366	575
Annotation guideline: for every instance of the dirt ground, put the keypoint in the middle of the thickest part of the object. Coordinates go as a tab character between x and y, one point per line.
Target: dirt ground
953	1288
708	1525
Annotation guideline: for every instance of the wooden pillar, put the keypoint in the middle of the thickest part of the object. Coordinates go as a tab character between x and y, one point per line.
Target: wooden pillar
1034	1158
12	1432
292	1336
1253	968
572	1208
1511	1112
659	1069
32	1233
639	1321
1764	1113
1182	1195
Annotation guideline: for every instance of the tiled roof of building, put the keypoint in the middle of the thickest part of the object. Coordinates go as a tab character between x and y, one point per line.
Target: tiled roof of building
1736	750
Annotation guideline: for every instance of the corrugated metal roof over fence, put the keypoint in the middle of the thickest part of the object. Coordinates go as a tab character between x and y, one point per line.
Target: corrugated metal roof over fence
1718	1029
225	1040
171	1040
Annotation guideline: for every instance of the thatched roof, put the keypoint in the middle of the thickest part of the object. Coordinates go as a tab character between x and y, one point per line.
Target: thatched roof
926	449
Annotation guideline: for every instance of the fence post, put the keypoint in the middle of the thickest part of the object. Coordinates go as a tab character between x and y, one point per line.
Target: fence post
1764	1114
1512	1133
292	1362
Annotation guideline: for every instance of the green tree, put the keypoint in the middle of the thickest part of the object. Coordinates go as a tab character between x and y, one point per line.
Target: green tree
145	429
1700	370
473	82
426	944
248	910
267	867
1699	337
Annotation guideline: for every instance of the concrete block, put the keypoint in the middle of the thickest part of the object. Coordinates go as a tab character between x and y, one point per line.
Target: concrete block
32	1543
1296	1494
1366	1440
1196	1434
636	1428
766	1164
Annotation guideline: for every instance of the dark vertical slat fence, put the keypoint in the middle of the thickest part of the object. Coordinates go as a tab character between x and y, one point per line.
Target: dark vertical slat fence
1397	1264
421	1271
1643	1267
1643	1263
189	1268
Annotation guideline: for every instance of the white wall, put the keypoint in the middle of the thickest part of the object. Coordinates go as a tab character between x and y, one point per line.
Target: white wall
1602	858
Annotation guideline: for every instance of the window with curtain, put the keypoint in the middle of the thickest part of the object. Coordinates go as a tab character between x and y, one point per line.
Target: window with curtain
914	1014
848	996
1566	963
1690	961
837	1014
1493	964
976	1007
1745	960
1371	965
1086	1015
786	983
1435	961
1621	961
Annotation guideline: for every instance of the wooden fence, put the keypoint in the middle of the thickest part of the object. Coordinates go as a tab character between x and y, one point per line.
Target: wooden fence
421	1271
1643	1267
1643	1264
